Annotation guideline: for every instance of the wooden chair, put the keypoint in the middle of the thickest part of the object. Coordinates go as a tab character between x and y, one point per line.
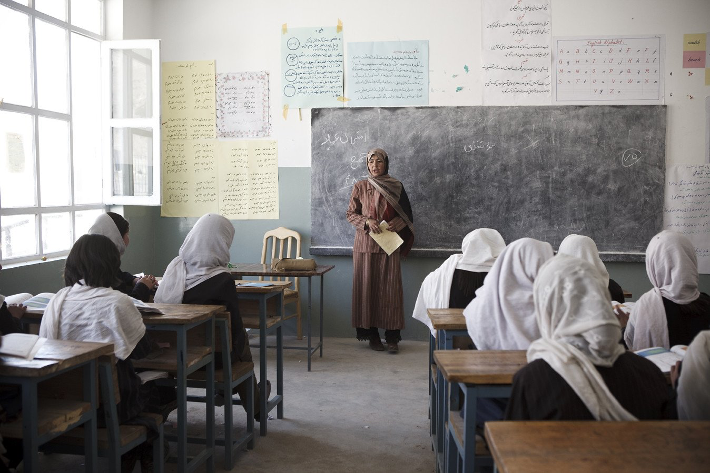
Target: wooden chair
115	439
276	238
240	372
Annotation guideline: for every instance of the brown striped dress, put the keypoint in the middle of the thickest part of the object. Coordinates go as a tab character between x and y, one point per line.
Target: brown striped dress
377	277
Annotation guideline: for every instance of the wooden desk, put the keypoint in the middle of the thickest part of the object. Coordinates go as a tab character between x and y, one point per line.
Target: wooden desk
266	323
240	270
479	374
180	318
600	446
448	323
43	420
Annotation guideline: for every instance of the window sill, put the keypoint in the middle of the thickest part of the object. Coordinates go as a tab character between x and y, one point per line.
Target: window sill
10	266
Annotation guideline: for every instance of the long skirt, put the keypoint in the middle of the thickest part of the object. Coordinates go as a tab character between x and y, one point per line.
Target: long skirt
377	291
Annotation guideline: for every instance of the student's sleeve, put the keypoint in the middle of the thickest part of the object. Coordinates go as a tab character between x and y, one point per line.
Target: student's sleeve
517	408
8	323
140	292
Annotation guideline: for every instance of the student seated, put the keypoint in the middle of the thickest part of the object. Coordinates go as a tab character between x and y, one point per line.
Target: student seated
583	247
199	275
89	310
10	316
116	228
454	283
694	382
674	311
578	370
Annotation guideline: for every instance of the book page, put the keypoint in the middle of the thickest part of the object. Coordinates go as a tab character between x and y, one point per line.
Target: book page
660	356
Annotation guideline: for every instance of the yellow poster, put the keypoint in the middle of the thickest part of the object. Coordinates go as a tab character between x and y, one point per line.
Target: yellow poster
188	100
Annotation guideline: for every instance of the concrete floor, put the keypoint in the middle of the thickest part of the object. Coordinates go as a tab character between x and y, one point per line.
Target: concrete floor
357	411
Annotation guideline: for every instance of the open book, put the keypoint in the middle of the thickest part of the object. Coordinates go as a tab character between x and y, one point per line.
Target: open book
662	357
36	302
21	345
144	308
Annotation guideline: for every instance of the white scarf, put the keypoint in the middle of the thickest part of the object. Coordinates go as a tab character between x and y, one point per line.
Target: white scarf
203	254
583	247
105	226
480	249
694	382
95	314
672	268
578	331
502	315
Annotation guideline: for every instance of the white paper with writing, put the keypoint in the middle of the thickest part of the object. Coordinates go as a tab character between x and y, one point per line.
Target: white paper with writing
243	105
237	179
388	73
608	69
312	67
187	100
516	52
687	207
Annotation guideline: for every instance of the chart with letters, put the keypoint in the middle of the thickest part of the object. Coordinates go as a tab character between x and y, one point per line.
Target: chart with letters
621	69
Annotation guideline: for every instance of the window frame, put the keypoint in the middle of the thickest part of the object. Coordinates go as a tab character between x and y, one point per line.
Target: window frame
39	210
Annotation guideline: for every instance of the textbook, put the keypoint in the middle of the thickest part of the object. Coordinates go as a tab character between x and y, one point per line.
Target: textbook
38	301
21	345
256	284
144	308
662	357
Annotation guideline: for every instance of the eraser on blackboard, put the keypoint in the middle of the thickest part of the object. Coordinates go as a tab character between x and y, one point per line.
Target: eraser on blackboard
285	111
339	29
284	29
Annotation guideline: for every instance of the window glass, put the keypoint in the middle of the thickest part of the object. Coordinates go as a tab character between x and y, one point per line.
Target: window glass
132	161
86	14
55	8
83	220
131	83
18	236
54	162
56	232
52	73
15	81
17	163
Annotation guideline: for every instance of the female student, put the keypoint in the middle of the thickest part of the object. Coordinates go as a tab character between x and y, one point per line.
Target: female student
674	311
578	370
199	275
583	247
694	382
89	310
454	283
116	228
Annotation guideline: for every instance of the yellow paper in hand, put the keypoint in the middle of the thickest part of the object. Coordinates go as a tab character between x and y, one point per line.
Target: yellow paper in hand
388	240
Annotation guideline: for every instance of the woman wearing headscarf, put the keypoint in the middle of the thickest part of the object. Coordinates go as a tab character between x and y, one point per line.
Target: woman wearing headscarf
583	247
502	315
674	311
377	277
454	283
116	228
577	369
694	382
199	275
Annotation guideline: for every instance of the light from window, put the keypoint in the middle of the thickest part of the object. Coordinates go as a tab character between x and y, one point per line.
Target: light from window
55	8
52	73
132	161
54	162
17	180
87	14
56	232
83	220
15	81
19	236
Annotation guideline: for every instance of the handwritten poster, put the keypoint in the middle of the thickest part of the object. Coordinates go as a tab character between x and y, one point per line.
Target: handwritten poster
243	105
695	50
687	207
388	74
619	69
237	179
312	67
516	52
187	100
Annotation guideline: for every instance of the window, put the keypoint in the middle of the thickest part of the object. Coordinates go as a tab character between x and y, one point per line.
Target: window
50	125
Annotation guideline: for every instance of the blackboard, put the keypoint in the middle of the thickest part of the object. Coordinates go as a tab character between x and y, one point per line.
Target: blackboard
541	172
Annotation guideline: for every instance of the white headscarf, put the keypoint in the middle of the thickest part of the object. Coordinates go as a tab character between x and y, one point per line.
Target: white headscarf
578	331
694	382
105	226
203	254
86	313
480	249
672	267
502	315
583	247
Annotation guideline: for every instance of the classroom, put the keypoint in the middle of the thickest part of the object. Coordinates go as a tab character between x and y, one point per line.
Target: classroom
246	36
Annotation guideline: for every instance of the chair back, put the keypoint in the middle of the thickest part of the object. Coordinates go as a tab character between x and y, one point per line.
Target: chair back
283	243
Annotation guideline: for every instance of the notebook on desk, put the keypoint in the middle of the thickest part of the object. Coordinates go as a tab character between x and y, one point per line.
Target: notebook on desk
255	284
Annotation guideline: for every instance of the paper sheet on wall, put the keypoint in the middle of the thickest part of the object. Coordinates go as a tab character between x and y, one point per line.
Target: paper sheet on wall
243	105
695	50
516	52
388	74
312	67
687	207
237	179
608	69
187	100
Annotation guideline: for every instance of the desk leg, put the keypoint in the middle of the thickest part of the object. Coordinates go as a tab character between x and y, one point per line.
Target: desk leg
280	362
448	341
181	385
308	324
29	426
441	401
468	454
321	313
263	411
90	443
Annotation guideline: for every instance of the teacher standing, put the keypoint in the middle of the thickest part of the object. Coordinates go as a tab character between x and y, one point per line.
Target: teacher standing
377	277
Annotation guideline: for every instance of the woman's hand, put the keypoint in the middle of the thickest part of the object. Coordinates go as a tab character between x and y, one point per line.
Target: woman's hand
621	315
373	226
396	224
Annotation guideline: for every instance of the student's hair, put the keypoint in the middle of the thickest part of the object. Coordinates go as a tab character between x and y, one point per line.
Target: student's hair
121	223
94	259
